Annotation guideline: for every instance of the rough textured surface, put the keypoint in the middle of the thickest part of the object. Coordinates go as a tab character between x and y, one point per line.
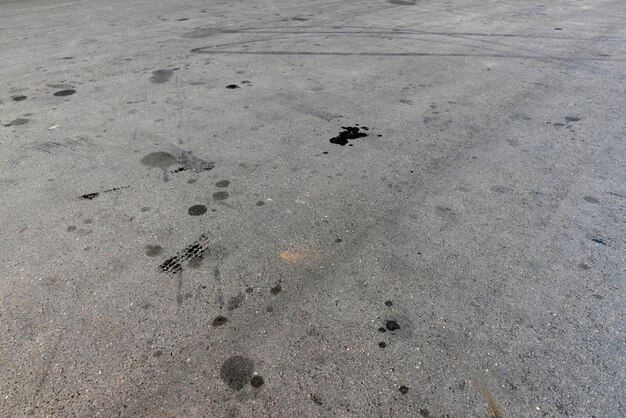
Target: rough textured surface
486	204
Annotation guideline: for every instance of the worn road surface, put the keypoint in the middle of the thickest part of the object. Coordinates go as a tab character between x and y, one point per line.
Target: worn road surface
408	208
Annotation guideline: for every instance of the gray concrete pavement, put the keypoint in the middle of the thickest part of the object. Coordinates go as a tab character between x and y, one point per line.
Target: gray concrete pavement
173	247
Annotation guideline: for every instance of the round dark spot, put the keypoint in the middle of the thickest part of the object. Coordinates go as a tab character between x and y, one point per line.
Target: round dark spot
338	240
379	135
382	329
67	92
18	98
219	321
382	344
145	209
222	183
388	303
256	381
276	289
591	199
404	390
236	372
233	86
260	203
392	325
220	195
249	290
159	159
71	228
197	210
153	250
192	181
325	152
425	412
269	309
558	28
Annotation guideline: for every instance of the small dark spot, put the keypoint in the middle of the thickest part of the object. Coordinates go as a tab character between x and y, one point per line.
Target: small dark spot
219	321
584	266
235	301
558	28
18	122
222	183
349	132
382	329
404	390
249	290
236	372
325	152
153	250
571	119
338	240
599	240
379	135
260	203
192	181
197	210
256	381
599	297
388	303
558	125
90	196
392	325
246	82
591	199
67	92
276	289
145	209
70	228
68	58
233	86
157	353
161	76
425	412
183	19
382	344
316	399
269	309
178	170
220	195
18	98
146	305
299	19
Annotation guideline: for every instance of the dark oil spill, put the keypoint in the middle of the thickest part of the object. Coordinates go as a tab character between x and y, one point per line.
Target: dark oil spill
392	325
256	381
571	119
18	98
183	19
153	250
316	399
174	265
91	196
161	76
219	321
599	240
382	344
18	122
159	159
276	289
382	329
197	210
235	302
350	132
178	170
222	183
403	390
237	371
233	86
67	92
388	303
260	203
220	196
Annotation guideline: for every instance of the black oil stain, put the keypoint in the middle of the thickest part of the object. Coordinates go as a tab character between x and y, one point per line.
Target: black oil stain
67	92
249	290
256	381
404	390
316	399
159	159
584	266
338	240
183	19
192	181
382	329
18	122
233	86
237	371
571	119
599	297
219	321
558	28
388	303
222	183
235	302
71	228
174	265
591	199
558	125
382	344
153	250
161	76
276	289
599	240
197	210
220	196
260	203
299	19
145	209
18	98
392	325
90	196
349	132
163	160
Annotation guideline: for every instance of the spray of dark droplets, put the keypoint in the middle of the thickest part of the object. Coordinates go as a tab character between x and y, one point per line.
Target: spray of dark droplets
350	132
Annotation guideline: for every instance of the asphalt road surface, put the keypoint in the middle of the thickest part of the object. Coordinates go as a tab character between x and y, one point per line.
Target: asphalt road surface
408	208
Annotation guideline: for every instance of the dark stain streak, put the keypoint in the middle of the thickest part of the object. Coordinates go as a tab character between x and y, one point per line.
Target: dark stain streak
236	372
91	196
161	76
174	265
67	92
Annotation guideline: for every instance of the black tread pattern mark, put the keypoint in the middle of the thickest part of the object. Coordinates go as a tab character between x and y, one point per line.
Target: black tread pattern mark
91	196
174	265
